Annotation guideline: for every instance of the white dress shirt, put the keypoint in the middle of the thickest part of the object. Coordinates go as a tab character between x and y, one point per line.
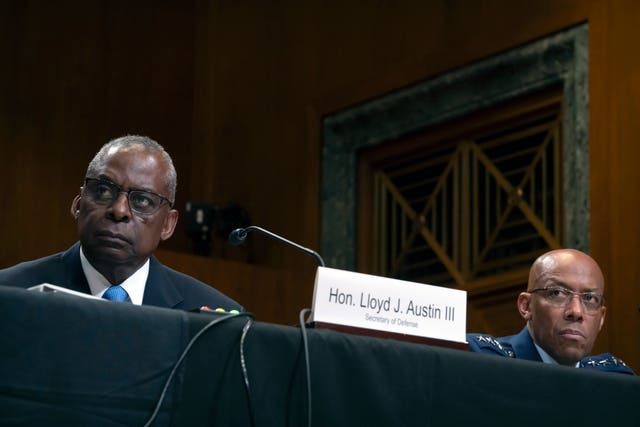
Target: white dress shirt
98	284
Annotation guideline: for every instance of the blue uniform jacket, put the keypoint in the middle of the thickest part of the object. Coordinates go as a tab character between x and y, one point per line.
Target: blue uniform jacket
521	346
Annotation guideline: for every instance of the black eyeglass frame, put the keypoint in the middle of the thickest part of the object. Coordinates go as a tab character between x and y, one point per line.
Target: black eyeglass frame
119	189
570	294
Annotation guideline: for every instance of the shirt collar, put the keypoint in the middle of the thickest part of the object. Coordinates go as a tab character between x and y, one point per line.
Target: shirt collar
98	284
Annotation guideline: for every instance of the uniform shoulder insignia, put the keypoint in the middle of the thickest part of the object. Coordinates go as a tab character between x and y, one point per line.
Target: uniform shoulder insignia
487	344
605	362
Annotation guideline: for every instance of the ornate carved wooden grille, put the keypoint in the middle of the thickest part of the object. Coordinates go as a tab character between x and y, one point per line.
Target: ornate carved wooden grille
473	208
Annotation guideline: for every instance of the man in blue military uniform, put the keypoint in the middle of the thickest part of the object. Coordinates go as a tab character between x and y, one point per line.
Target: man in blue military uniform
564	310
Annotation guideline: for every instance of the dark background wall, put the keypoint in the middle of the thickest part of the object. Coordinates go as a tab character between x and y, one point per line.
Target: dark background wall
236	92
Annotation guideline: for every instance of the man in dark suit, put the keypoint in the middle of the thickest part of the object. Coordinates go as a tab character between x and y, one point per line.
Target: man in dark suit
123	210
564	310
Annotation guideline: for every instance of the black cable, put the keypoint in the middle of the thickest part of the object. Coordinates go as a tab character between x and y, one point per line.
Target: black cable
186	351
245	374
303	331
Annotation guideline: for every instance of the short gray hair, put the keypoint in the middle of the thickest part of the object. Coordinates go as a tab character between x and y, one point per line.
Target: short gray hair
142	141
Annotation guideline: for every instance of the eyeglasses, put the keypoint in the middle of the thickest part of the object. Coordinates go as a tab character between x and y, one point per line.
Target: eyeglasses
104	192
562	296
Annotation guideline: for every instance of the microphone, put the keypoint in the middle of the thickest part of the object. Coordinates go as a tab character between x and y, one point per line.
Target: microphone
239	235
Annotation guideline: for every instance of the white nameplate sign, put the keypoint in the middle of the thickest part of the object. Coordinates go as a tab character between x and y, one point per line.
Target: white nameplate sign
373	302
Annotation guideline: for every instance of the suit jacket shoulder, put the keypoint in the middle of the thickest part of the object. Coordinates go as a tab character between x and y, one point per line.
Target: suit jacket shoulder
606	362
61	269
166	287
483	343
519	346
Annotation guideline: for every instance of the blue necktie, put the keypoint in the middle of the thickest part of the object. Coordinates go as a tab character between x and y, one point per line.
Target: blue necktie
116	293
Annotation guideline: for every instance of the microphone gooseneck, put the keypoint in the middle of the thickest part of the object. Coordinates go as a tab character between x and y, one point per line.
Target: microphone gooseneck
239	235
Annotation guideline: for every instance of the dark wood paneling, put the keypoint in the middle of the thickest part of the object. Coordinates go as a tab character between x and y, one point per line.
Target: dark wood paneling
615	195
74	75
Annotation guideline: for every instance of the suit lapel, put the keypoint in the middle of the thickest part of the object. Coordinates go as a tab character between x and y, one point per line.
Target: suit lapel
73	272
160	290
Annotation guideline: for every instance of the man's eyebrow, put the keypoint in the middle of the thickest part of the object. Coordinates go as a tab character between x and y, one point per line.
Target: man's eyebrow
111	181
557	283
108	179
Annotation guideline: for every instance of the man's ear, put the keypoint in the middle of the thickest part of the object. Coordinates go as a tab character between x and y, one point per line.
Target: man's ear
603	310
524	305
75	206
169	224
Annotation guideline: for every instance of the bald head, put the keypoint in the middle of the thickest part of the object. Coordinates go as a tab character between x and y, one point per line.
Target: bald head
559	259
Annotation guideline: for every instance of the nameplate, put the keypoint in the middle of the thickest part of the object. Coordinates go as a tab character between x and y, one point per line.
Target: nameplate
374	302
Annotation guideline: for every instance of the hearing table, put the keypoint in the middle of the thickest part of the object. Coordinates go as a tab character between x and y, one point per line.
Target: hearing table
66	360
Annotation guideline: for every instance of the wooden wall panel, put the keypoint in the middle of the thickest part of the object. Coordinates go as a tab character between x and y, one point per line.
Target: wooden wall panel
615	195
236	91
74	75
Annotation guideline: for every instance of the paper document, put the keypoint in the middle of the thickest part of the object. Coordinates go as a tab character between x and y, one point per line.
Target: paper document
48	287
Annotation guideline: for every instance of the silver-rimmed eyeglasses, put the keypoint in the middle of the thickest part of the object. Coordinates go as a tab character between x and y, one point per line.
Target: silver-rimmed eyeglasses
558	296
105	192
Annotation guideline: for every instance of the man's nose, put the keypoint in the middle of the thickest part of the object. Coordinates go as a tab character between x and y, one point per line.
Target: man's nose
574	308
120	207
